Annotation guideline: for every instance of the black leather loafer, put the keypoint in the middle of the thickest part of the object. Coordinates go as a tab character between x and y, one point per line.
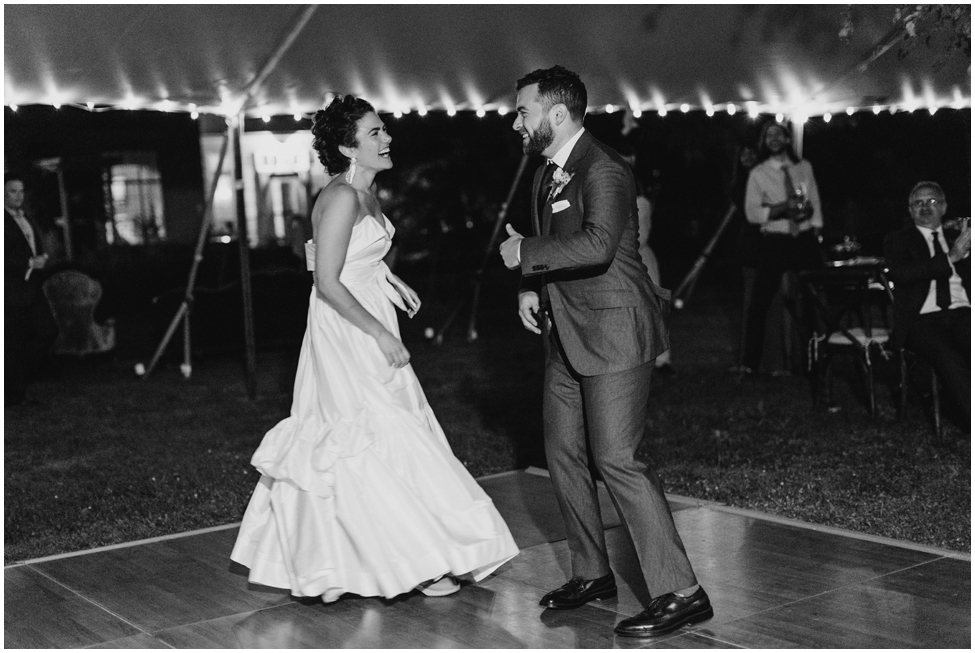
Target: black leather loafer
666	613
578	592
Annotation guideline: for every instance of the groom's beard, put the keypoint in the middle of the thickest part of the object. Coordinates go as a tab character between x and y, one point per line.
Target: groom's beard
541	139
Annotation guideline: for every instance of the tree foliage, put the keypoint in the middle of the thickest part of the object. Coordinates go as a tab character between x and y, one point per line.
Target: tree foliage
946	26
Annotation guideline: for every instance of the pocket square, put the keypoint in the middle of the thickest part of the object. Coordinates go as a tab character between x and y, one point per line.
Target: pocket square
561	205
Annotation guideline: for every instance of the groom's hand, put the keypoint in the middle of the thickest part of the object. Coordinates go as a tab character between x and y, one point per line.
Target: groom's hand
528	309
511	248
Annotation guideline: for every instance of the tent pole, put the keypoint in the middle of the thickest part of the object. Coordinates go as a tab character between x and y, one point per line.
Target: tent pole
184	309
250	354
488	251
243	241
272	61
686	286
886	42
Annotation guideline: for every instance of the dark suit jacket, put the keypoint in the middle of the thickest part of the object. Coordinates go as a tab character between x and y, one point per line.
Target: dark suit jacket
912	268
609	315
16	261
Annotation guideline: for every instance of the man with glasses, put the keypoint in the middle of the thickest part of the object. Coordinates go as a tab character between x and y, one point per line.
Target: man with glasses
932	274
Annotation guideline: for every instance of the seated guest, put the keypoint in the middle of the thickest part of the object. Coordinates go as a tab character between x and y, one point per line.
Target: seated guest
932	279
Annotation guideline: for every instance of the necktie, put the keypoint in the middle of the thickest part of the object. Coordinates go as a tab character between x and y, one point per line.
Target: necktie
942	292
545	187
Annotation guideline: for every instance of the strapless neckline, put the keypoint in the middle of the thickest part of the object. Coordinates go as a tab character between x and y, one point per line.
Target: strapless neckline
373	219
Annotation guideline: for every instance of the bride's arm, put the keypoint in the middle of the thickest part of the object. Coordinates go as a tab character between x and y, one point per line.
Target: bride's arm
334	217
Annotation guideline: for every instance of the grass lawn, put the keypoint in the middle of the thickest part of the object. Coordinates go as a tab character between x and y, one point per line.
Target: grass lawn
107	457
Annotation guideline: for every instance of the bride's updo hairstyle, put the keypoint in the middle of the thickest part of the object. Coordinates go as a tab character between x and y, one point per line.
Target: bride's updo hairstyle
336	125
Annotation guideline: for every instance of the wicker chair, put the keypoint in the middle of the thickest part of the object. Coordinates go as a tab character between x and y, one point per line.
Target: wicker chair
73	297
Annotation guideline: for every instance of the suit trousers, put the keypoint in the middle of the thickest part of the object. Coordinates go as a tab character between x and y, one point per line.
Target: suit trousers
610	411
779	254
944	340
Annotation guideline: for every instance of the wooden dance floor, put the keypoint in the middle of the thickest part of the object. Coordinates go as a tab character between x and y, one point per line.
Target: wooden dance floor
773	584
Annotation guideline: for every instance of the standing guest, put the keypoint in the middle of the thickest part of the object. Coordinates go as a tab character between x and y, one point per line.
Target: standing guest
602	323
749	245
29	328
359	489
932	278
783	199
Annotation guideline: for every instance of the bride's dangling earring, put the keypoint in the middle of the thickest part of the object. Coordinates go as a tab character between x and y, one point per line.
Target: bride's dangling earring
350	174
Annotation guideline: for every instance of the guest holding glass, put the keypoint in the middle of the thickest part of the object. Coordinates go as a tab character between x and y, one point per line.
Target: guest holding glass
782	198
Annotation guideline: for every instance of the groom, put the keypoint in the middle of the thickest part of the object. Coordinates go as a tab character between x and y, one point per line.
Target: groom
603	327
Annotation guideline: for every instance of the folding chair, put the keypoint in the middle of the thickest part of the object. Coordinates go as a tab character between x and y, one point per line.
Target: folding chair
851	311
909	360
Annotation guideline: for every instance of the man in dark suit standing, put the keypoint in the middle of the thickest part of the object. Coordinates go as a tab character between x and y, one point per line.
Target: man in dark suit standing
29	328
603	326
932	292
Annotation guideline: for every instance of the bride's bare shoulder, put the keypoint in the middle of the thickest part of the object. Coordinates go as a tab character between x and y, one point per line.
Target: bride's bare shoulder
337	198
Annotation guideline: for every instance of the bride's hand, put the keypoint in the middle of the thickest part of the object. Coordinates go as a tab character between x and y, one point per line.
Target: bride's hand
397	355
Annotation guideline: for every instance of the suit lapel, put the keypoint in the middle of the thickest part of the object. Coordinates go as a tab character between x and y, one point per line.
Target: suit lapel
578	153
537	219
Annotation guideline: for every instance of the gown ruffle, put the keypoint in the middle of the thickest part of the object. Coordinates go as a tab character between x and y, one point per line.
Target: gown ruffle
359	489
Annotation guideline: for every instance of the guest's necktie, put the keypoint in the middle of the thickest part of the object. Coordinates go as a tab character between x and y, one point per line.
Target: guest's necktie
546	187
942	291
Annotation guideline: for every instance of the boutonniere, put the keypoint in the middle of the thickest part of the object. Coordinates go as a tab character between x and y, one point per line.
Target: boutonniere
559	180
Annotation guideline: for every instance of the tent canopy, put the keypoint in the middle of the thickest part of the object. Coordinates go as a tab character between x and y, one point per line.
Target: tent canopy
769	58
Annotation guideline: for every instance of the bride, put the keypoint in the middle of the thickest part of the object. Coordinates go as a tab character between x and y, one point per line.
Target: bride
359	489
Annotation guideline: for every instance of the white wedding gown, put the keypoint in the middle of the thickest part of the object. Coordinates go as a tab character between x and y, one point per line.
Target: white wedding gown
360	491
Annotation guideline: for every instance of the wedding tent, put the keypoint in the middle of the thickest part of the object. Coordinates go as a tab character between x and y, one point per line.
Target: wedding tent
266	60
288	59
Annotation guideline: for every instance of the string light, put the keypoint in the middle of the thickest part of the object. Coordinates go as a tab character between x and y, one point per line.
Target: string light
753	109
